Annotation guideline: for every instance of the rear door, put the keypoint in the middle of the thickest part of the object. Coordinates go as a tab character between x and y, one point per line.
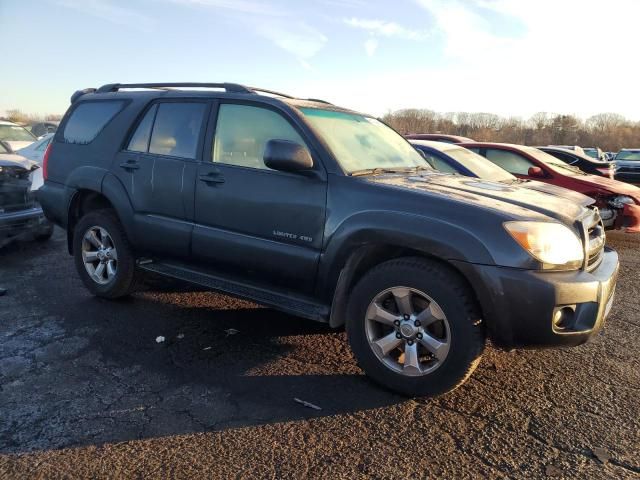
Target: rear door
158	169
512	162
260	224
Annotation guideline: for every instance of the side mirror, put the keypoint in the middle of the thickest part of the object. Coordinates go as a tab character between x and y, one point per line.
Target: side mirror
536	172
287	156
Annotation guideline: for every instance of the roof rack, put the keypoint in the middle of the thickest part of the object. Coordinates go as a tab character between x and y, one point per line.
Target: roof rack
229	87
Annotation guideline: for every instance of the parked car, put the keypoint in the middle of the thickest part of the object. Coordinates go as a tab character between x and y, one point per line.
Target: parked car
594	152
20	215
628	165
15	135
585	163
453	158
575	148
42	128
618	202
36	150
438	137
325	213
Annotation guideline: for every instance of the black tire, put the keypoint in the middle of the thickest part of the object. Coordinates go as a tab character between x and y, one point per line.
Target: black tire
449	291
126	278
45	232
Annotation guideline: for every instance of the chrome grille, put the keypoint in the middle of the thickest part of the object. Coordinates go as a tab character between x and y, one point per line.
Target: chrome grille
594	240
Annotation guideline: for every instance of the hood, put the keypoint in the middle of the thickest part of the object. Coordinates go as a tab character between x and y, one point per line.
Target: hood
562	192
16	145
15	184
12	159
488	194
612	186
627	163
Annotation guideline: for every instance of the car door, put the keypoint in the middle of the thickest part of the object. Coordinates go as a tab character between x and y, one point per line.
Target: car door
263	225
158	169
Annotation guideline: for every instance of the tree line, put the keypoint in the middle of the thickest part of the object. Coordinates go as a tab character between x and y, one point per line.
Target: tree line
22	118
609	131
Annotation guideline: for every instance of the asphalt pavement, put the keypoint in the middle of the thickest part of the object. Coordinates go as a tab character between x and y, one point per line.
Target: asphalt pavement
89	390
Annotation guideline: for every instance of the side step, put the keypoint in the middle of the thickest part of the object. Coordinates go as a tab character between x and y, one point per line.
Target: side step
285	302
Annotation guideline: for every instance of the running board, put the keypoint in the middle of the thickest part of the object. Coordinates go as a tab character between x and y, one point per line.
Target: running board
285	302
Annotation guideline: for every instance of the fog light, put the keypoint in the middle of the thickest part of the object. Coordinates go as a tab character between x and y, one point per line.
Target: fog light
563	318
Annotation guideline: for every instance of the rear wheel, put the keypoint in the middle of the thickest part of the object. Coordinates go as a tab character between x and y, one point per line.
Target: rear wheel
103	257
414	327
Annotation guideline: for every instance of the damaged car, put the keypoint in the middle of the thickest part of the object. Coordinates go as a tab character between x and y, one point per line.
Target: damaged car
20	215
618	202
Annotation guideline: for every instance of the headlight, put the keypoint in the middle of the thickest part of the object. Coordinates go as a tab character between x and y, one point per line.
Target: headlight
553	244
620	201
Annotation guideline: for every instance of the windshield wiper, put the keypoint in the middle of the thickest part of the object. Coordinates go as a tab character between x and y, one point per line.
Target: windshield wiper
379	170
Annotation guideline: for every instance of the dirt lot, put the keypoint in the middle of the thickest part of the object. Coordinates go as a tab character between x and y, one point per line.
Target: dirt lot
86	391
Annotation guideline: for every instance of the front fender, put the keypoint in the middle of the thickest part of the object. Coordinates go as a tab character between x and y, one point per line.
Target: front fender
436	238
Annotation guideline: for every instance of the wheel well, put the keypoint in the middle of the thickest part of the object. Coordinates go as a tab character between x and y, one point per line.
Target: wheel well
83	202
367	257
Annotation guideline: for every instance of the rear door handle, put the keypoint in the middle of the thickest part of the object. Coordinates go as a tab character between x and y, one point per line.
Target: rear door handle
211	177
130	165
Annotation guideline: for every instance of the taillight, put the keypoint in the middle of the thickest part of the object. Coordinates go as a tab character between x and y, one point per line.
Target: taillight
45	162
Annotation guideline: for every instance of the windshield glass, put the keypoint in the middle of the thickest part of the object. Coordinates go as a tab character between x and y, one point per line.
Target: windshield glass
592	152
15	133
633	155
553	162
3	149
361	143
479	165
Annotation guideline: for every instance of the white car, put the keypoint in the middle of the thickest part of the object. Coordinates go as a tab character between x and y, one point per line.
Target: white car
15	136
36	150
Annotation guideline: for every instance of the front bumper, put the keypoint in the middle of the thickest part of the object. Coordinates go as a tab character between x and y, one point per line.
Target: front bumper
631	218
21	223
519	306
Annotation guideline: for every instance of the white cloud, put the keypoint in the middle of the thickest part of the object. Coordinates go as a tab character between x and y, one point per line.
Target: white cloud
385	29
242	6
370	46
299	39
106	10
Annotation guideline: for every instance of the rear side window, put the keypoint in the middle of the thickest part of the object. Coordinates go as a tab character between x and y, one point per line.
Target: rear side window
510	161
88	119
140	140
177	129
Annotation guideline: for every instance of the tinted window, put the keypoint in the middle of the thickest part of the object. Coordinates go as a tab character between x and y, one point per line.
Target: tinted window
562	156
88	119
439	164
243	131
140	140
177	129
510	161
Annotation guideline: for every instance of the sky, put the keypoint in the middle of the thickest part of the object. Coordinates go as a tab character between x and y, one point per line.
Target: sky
509	57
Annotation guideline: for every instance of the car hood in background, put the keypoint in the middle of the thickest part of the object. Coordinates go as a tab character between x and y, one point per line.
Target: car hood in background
550	189
13	160
613	186
493	195
15	145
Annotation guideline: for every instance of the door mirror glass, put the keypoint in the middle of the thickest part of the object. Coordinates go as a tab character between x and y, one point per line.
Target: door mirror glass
287	156
536	172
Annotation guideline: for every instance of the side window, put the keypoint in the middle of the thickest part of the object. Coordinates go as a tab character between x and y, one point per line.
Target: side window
177	129
510	161
140	140
242	132
88	119
474	149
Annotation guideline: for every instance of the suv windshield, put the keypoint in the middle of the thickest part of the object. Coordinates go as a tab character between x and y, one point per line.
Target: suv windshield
631	155
15	133
479	165
363	143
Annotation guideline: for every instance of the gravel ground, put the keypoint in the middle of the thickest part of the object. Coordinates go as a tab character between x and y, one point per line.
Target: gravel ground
87	391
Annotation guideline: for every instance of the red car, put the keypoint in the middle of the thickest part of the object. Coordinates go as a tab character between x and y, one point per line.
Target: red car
619	202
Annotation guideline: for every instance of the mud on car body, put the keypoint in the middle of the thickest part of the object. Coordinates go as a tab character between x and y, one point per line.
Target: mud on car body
325	213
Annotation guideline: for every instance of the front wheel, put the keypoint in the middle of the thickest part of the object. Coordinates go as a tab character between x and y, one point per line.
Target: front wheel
414	327
103	257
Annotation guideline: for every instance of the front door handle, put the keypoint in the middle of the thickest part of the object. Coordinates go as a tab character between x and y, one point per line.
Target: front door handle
130	165
211	177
